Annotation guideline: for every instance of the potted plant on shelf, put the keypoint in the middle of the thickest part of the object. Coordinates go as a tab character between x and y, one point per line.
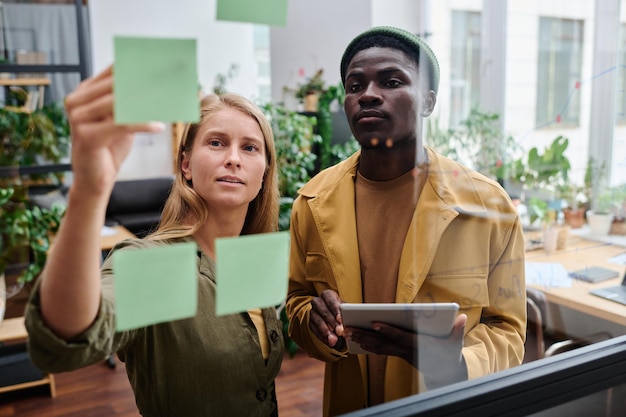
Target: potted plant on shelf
25	235
35	138
309	92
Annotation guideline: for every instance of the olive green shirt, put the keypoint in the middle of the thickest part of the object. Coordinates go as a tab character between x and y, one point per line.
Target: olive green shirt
200	366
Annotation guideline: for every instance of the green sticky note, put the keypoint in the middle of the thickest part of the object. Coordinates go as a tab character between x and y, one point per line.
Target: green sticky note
155	285
155	79
265	12
251	271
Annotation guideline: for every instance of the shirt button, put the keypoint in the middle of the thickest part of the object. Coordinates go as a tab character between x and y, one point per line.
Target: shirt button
274	336
261	394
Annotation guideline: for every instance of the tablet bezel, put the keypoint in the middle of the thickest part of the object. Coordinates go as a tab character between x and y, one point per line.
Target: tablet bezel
434	319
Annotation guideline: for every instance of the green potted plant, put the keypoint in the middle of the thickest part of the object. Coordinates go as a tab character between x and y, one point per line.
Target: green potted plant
309	92
575	204
35	138
549	169
25	235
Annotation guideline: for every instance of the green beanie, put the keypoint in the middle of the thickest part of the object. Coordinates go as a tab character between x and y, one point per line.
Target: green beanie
392	37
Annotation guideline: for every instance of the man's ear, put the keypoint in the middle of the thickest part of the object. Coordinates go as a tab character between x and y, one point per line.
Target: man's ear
428	105
184	166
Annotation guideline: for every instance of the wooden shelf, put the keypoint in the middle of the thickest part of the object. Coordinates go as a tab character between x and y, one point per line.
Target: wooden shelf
47	380
21	82
14	331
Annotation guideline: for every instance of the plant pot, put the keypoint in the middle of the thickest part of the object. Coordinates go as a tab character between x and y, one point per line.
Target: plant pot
618	227
599	223
311	102
575	218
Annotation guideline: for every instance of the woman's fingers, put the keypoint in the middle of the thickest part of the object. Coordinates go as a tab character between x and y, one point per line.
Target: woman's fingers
106	128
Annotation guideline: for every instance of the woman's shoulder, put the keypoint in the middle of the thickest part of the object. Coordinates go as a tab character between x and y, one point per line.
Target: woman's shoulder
145	243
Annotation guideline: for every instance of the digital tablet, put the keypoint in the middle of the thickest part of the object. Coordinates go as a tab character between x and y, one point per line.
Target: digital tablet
434	319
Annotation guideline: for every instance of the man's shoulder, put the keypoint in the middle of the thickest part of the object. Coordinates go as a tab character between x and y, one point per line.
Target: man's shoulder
462	182
330	176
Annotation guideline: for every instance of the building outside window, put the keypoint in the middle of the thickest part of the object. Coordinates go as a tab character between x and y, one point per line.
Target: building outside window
621	79
559	71
464	64
262	54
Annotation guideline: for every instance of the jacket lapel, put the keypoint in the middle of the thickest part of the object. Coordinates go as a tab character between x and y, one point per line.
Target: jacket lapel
333	211
438	205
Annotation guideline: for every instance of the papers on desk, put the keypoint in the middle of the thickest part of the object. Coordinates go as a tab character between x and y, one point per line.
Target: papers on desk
547	275
619	259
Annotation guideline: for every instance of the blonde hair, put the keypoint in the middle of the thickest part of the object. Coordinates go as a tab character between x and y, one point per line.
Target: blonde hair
185	211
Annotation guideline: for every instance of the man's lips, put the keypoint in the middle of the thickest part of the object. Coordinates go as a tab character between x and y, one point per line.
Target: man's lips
369	114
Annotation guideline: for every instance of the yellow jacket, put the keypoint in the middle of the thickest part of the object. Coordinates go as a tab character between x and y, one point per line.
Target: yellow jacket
464	245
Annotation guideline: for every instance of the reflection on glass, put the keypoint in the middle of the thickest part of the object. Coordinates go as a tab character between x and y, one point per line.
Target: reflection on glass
607	403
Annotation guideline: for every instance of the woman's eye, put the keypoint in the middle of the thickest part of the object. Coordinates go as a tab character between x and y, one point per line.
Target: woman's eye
215	142
251	148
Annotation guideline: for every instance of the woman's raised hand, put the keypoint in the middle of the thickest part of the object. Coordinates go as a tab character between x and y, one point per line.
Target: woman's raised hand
99	146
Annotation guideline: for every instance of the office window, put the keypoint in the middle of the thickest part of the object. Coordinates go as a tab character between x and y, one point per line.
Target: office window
262	55
621	79
559	70
464	64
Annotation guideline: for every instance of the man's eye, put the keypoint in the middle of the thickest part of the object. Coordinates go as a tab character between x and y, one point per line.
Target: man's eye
392	83
354	87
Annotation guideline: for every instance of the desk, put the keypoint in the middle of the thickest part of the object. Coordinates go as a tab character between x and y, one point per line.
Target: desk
580	253
13	331
112	235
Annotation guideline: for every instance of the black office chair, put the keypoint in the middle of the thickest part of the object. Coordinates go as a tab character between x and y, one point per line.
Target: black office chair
541	343
537	336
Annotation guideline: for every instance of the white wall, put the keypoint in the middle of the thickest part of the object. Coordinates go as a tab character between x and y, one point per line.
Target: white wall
219	45
315	37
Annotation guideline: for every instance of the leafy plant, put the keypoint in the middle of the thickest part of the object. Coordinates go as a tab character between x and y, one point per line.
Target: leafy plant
219	87
479	143
313	85
550	168
324	123
25	232
294	138
32	138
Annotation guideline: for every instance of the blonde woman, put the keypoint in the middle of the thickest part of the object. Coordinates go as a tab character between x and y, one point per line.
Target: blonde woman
225	185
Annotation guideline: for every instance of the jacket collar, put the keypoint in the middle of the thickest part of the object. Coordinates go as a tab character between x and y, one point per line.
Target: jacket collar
332	203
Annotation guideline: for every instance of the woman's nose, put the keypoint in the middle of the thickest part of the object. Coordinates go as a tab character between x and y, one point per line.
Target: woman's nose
233	158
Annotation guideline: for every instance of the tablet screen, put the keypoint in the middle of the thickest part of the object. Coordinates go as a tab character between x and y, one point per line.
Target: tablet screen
435	319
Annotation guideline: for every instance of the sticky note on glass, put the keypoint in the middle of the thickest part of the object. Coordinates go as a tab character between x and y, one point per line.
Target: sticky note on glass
155	285
251	271
265	12
155	79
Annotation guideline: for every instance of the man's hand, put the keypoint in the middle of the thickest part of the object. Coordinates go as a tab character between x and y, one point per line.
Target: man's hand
325	320
438	358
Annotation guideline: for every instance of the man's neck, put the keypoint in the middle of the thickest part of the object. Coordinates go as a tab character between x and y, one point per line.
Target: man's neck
383	164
